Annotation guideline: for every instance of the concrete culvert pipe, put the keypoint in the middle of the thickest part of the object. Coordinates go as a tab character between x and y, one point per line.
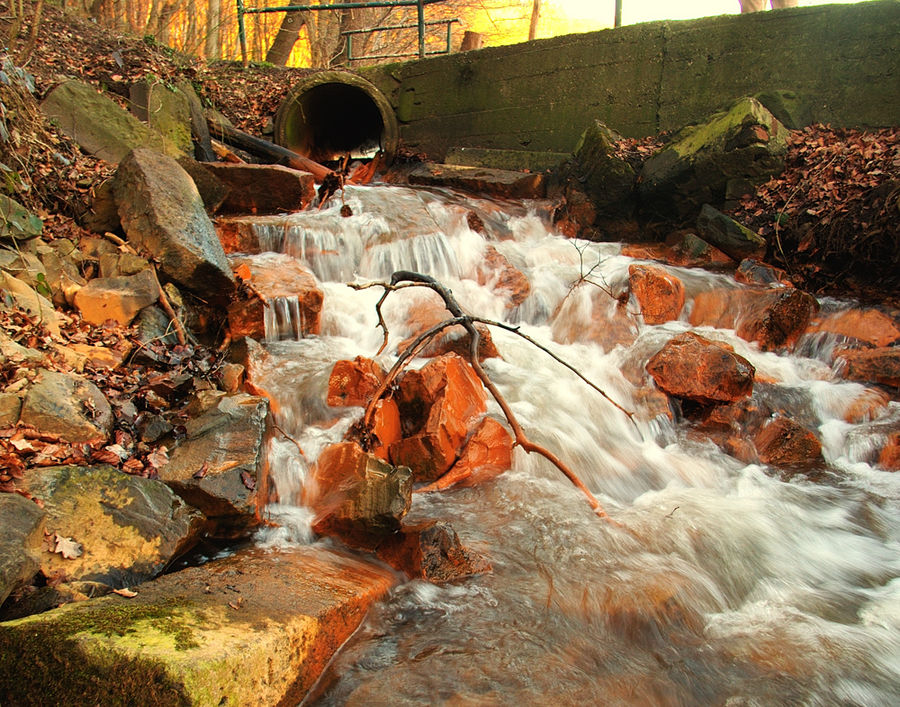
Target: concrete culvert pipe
332	113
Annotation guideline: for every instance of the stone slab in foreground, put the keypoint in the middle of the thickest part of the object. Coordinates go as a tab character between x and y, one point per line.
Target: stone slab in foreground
255	628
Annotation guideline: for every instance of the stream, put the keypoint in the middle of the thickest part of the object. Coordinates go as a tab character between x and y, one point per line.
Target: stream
720	583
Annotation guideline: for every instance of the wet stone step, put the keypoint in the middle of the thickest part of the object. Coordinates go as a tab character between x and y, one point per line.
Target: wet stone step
255	628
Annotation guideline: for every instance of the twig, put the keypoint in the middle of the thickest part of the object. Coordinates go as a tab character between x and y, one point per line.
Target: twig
167	307
400	279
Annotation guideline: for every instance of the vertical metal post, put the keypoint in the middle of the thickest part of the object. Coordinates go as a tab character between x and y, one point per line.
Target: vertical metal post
420	7
618	18
349	48
449	37
242	35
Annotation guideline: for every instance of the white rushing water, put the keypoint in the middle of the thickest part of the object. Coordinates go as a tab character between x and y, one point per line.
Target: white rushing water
726	583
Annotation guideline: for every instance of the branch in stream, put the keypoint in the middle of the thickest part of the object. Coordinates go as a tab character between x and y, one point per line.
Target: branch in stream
402	279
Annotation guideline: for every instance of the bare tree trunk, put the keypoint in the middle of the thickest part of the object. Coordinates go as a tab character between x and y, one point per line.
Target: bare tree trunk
213	43
284	41
535	16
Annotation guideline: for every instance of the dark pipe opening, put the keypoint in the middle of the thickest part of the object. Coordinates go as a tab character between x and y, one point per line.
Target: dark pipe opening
331	114
341	119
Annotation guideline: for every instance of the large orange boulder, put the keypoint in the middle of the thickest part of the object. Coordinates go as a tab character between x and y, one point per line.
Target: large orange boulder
439	404
659	294
880	365
487	454
694	368
354	382
773	317
869	326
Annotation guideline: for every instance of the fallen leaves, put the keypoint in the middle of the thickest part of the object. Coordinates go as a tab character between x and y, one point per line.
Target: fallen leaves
67	547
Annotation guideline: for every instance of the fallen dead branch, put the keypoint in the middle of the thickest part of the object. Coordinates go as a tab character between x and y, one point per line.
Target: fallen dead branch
402	279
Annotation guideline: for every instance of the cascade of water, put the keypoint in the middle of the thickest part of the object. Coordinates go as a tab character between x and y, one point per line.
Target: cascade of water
726	584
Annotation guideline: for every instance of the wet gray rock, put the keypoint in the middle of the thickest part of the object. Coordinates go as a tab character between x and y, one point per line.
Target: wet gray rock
607	180
729	236
108	526
20	542
68	406
162	213
217	467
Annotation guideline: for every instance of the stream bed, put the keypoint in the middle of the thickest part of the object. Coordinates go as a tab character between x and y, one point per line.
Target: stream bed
720	582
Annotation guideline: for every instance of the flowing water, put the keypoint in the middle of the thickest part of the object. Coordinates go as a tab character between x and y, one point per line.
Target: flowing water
726	583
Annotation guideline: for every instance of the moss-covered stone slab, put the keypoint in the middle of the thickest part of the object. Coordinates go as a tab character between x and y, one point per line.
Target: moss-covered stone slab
16	222
166	109
257	628
124	529
515	160
98	124
744	143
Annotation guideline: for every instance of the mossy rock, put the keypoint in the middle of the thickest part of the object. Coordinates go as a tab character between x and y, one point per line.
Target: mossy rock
255	628
746	142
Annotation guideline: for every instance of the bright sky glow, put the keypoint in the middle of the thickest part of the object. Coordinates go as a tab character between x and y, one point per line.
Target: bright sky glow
634	11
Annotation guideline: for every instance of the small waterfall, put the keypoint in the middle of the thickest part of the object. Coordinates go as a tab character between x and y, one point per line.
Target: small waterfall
726	583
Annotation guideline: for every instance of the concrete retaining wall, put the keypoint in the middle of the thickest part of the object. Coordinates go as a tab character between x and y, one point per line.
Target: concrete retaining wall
843	61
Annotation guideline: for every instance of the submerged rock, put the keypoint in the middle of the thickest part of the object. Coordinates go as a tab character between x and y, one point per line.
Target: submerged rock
480	180
255	628
431	551
694	368
773	317
110	527
785	443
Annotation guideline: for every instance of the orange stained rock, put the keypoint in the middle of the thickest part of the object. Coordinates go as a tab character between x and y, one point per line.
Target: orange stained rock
504	277
429	312
771	317
438	406
659	293
431	551
487	454
354	382
281	276
385	427
880	365
890	455
867	325
692	367
337	467
783	442
866	406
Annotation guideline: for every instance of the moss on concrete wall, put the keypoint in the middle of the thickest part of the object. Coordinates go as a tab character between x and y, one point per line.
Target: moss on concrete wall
843	60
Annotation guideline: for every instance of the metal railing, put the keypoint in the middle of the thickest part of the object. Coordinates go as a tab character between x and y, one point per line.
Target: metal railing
418	4
386	28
